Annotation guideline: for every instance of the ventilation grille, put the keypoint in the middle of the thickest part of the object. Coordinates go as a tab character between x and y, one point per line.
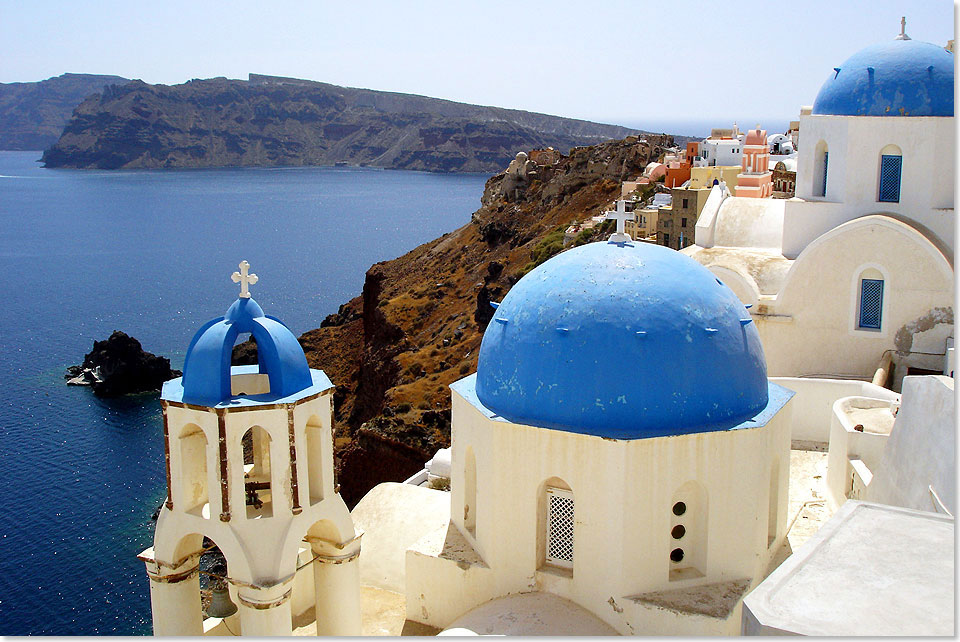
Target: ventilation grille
871	303
560	527
890	178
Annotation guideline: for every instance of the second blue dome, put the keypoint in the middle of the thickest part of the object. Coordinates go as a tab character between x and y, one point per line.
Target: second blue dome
896	78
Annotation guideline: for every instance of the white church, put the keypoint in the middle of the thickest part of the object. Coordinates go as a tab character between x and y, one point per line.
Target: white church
625	459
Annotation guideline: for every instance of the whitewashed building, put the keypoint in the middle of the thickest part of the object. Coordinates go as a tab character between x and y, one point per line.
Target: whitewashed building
857	270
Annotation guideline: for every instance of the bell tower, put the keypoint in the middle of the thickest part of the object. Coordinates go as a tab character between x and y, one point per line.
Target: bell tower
249	466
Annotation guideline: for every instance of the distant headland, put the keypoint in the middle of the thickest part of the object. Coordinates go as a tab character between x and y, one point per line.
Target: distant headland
273	121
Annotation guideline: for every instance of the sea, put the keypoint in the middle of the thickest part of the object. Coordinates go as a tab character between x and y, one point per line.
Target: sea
84	253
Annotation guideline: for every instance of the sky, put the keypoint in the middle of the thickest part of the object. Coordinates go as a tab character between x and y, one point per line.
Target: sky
642	64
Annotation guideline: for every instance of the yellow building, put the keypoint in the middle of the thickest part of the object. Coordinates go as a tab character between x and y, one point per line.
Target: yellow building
644	223
703	177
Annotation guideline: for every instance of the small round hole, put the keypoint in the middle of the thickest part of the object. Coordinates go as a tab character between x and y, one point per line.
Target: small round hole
678	531
676	555
679	508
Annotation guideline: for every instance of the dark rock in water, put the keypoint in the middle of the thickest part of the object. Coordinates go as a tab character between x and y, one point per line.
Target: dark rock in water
120	366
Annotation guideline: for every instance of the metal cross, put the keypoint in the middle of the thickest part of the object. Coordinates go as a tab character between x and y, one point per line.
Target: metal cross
621	216
245	278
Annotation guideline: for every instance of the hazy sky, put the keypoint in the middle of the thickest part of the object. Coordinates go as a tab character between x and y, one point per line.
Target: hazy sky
631	63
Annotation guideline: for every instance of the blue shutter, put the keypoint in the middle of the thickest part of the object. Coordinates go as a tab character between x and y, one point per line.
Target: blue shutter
871	303
890	179
823	188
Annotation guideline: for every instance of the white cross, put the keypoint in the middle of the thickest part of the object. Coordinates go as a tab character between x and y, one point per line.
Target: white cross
621	216
903	29
244	278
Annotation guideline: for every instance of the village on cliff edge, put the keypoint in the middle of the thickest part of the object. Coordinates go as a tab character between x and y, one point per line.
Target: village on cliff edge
734	416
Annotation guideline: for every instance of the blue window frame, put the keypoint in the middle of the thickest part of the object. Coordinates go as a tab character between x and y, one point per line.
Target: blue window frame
871	303
890	166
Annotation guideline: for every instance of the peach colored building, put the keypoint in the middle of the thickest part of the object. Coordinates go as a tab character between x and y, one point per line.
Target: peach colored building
755	179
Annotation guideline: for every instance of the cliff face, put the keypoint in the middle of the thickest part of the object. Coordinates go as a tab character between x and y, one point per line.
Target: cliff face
276	121
32	114
416	328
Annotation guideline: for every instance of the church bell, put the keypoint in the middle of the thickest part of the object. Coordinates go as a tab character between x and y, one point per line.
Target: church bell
220	604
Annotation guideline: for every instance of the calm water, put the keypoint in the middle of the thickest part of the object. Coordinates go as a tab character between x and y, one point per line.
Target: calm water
83	253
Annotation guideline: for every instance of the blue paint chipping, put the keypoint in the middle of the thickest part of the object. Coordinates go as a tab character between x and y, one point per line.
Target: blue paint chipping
207	370
896	78
597	378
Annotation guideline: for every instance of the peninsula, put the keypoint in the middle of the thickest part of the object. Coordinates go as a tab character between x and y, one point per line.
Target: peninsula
271	121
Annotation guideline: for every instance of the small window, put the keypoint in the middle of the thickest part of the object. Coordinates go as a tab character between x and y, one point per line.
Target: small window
820	161
683	222
890	169
823	186
871	303
559	527
685	203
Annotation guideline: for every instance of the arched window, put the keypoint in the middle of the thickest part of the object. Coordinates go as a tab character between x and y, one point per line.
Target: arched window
891	166
315	459
688	532
820	162
193	469
870	300
256	473
555	524
470	492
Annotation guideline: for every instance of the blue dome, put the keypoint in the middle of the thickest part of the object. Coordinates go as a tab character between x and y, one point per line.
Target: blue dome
206	370
897	78
623	341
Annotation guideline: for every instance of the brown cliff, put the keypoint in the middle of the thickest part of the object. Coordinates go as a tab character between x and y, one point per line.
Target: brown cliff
416	328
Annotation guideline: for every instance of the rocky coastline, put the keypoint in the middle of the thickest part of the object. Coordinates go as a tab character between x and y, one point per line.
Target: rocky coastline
416	327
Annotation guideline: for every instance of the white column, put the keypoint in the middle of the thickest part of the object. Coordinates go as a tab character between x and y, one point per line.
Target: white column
337	586
265	611
174	596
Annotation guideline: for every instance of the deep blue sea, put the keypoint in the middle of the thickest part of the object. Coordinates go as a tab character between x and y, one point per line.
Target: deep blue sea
83	253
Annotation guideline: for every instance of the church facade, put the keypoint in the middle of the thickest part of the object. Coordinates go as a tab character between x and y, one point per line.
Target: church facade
856	271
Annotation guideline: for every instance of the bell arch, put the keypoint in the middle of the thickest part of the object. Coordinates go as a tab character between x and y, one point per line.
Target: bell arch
257	482
315	460
193	478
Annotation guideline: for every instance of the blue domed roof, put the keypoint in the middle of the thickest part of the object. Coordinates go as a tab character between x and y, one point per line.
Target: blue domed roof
897	78
207	371
624	341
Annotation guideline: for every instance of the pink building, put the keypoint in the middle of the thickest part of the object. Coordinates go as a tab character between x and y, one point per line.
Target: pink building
755	179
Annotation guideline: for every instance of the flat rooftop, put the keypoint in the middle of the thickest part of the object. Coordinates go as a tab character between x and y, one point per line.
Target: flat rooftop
871	570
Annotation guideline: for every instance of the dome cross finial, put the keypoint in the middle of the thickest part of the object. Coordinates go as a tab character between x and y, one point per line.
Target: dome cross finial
903	29
621	216
245	278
